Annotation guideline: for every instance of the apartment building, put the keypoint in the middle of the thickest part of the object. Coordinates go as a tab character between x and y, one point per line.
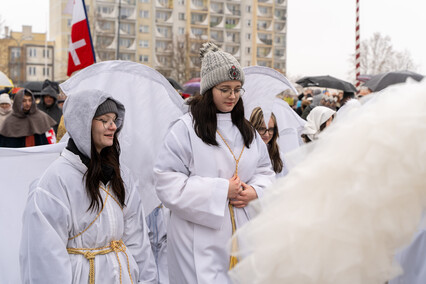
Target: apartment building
167	34
27	56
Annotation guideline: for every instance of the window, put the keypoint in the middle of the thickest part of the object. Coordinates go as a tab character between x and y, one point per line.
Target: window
46	71
248	23
181	2
144	14
248	36
32	52
181	31
144	1
181	16
248	50
32	71
248	8
144	29
143	58
15	53
46	53
69	22
144	43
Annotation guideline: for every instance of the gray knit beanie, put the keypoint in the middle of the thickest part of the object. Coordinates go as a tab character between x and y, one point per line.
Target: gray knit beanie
106	107
218	66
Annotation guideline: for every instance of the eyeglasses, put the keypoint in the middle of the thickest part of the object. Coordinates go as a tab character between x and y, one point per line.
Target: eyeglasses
227	92
108	123
263	130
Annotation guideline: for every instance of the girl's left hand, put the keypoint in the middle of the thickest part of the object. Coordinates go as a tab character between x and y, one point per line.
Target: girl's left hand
244	197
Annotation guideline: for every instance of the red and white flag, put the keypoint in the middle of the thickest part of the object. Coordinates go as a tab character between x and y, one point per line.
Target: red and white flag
81	53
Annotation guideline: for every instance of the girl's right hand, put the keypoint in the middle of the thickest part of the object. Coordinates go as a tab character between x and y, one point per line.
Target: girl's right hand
234	187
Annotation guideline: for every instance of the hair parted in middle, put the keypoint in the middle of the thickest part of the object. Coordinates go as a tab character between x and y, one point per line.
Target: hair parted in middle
256	119
204	113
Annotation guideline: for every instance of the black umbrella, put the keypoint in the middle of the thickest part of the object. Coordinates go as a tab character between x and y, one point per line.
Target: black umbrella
174	84
326	82
381	81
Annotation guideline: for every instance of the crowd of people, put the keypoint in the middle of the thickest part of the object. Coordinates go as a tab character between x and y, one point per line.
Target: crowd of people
84	220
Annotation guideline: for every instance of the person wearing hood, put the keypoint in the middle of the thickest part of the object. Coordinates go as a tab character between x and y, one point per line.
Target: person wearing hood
211	165
26	126
5	107
84	219
48	104
318	119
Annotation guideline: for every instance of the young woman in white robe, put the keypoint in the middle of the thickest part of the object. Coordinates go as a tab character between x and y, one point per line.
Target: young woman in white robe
84	220
211	157
270	136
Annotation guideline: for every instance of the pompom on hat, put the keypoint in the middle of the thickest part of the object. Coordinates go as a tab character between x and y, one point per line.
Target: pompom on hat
218	66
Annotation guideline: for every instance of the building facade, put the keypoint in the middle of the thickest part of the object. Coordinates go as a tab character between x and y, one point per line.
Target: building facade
167	34
27	56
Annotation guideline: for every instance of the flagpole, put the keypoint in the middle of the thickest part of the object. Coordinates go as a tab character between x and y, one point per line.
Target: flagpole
357	48
118	31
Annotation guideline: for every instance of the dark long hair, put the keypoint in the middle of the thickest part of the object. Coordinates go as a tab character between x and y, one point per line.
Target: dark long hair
109	157
256	119
204	112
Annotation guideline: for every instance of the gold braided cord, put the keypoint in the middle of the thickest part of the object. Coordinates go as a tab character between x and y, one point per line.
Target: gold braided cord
234	248
236	160
107	192
97	216
90	253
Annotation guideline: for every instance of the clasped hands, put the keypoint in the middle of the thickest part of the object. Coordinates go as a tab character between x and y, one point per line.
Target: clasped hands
240	193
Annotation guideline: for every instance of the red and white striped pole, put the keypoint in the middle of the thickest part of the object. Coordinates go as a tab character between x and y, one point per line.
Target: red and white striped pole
357	48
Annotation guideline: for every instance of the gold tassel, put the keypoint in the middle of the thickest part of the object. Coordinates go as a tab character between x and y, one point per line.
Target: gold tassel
234	249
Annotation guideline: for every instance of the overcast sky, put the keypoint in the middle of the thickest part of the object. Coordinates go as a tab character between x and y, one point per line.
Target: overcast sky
321	33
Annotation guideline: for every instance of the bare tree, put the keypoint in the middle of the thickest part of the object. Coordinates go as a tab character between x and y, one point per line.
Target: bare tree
179	59
379	56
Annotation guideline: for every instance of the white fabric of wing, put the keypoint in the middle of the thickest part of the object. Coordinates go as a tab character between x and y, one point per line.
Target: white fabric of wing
340	214
151	105
262	85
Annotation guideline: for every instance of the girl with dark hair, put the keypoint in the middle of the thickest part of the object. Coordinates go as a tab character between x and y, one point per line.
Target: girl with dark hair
269	135
84	218
211	166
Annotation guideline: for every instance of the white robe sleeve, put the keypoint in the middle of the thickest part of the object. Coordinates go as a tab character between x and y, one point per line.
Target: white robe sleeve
200	200
264	175
43	255
136	237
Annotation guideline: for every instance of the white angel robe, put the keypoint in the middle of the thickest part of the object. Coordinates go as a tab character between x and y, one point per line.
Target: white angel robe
192	181
57	210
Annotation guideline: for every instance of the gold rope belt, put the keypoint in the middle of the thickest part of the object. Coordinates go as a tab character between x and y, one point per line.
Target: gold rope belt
90	253
234	248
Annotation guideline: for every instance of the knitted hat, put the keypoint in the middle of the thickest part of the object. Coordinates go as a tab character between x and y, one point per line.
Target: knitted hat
106	107
5	99
218	66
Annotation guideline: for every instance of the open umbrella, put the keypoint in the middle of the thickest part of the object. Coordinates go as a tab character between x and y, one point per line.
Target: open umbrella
5	81
191	88
326	82
381	81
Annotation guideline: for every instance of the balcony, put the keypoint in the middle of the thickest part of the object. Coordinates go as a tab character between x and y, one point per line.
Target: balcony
164	4
264	12
199	19
198	5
